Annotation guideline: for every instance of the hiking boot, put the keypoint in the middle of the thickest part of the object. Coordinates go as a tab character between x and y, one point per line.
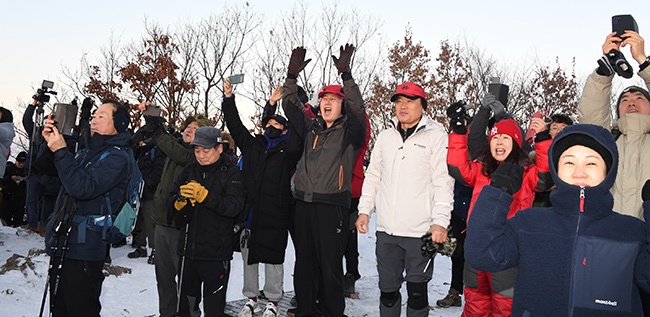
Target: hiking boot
139	252
250	308
152	260
452	299
119	243
348	284
291	312
270	311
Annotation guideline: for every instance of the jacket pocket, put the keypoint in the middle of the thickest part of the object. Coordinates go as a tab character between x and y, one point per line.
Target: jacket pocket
604	274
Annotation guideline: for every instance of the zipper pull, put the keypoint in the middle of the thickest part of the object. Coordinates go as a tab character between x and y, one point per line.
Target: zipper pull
582	199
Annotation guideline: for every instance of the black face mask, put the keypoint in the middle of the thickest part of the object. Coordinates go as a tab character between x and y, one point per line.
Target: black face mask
272	132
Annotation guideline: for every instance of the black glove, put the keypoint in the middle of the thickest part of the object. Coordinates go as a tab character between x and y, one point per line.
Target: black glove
542	136
645	192
456	109
152	129
87	104
508	177
297	62
619	64
457	125
429	249
343	62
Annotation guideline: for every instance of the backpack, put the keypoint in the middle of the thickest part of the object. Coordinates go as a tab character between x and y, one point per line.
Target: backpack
121	224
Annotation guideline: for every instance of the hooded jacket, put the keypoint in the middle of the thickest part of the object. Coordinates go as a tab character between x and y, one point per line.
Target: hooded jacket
324	172
407	181
577	258
633	143
207	232
86	179
267	172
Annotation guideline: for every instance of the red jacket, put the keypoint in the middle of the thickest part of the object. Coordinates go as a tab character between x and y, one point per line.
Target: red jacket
469	173
358	173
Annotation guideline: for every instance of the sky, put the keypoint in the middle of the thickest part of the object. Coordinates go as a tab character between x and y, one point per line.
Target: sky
40	37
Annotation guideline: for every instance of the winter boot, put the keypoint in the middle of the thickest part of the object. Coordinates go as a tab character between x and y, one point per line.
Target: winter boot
152	259
452	299
139	252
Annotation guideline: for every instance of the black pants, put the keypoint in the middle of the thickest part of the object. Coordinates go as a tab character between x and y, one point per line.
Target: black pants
14	210
458	258
321	234
79	288
212	276
352	246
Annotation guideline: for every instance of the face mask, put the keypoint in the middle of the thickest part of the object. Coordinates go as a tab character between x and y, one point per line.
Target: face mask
272	132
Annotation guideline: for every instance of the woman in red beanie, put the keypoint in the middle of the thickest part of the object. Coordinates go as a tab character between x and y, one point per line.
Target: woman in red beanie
490	294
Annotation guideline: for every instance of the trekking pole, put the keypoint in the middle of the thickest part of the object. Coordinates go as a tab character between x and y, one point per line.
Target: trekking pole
57	277
47	279
180	275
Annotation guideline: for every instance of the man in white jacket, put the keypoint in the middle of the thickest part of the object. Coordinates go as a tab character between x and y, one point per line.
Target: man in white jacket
7	134
408	186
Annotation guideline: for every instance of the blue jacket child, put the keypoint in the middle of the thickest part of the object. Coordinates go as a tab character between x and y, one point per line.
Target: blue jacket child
577	258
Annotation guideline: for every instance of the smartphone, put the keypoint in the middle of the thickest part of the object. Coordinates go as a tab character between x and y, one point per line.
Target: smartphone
530	133
499	90
236	79
621	23
65	118
152	111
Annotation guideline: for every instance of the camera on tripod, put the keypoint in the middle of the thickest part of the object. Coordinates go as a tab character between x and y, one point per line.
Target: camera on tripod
43	93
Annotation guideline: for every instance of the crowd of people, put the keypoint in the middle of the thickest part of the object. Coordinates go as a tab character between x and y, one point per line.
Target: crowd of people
551	225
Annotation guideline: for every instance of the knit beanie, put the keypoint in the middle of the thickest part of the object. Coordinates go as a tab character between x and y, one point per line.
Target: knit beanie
508	127
584	140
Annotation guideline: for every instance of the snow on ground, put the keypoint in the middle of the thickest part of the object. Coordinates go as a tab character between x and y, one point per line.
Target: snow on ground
135	294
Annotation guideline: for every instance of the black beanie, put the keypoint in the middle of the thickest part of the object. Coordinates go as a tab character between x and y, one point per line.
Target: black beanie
584	140
6	115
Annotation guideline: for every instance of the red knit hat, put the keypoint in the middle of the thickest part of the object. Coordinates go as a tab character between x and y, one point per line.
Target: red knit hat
509	127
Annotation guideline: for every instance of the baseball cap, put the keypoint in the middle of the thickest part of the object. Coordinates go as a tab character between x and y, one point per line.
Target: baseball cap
410	90
207	137
333	89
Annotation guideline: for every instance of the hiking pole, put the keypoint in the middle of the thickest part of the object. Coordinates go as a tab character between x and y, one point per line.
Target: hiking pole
180	275
57	277
47	279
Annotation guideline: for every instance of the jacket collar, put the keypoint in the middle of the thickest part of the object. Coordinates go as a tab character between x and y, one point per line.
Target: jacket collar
424	123
634	124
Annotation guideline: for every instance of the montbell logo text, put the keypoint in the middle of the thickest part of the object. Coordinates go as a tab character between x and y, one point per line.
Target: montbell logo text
606	302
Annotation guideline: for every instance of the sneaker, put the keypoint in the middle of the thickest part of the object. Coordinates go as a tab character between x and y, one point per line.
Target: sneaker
139	252
270	310
452	299
152	260
250	308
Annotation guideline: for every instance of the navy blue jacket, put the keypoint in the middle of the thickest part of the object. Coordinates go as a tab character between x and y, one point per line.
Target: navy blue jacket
577	258
85	180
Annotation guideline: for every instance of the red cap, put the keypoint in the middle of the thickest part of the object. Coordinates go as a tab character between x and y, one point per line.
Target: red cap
409	89
509	127
333	89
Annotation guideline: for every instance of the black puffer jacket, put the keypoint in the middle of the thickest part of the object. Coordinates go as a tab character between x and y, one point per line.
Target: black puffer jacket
267	172
211	222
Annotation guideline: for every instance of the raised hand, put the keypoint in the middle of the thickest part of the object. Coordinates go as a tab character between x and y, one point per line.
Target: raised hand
297	62
342	63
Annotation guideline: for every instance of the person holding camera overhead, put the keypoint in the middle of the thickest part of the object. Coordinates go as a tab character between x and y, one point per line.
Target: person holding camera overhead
408	185
631	125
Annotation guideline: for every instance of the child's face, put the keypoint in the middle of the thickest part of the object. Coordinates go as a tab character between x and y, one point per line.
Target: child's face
500	147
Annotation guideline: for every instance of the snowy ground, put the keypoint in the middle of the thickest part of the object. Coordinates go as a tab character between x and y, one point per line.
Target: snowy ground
134	294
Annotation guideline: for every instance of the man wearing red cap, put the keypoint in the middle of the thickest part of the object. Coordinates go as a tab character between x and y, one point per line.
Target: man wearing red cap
323	183
407	184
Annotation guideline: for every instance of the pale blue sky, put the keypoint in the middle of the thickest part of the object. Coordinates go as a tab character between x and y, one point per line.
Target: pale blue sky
39	36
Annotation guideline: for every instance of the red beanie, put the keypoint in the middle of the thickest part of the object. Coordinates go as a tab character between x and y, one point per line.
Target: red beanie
509	127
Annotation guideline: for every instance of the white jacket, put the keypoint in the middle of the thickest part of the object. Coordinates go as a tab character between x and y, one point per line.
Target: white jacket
407	182
7	134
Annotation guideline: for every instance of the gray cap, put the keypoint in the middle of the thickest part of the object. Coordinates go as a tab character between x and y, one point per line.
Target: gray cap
207	137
